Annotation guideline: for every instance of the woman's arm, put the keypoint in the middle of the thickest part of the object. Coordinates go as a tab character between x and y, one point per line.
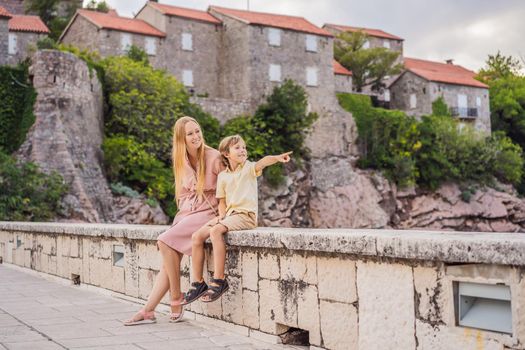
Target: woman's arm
270	160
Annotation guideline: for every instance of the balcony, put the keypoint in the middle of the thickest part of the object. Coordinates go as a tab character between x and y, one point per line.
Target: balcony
464	112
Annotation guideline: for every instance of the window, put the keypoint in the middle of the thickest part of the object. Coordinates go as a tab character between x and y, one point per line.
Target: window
274	37
311	43
413	101
386	44
151	46
187	42
311	76
12	49
275	72
386	95
366	45
462	105
478	101
125	41
187	78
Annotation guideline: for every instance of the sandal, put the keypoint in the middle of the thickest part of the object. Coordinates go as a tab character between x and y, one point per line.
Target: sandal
215	291
148	317
198	289
177	316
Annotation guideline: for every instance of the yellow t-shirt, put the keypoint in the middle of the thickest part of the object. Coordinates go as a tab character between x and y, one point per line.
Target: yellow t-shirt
239	188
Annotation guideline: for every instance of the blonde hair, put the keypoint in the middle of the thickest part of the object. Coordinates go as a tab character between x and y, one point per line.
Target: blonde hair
179	156
224	147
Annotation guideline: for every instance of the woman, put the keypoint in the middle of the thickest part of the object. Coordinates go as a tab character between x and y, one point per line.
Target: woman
195	167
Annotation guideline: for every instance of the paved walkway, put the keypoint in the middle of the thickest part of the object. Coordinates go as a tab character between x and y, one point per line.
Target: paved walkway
43	314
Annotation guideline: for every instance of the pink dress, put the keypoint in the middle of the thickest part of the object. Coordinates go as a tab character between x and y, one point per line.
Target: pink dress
194	212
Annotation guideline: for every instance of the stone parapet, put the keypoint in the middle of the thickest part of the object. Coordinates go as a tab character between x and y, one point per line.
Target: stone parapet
446	247
349	289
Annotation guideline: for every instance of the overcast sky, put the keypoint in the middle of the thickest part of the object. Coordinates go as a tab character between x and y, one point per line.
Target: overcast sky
465	30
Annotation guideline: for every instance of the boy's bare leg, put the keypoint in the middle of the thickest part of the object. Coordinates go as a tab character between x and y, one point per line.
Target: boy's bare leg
219	249
197	252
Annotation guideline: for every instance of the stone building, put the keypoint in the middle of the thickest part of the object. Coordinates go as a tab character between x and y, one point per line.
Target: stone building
5	16
112	35
24	33
343	78
191	48
261	50
423	82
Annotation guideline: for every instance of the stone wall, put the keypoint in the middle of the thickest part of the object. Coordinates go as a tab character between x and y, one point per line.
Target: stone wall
224	109
15	7
343	83
427	92
235	59
25	46
82	34
350	289
4	39
203	60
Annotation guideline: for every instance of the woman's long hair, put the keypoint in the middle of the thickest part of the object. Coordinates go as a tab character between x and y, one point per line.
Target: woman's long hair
179	156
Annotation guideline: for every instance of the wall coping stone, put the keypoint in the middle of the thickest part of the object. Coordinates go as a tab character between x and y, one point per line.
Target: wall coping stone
444	246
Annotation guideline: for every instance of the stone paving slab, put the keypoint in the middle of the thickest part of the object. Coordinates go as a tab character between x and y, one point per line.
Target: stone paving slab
36	313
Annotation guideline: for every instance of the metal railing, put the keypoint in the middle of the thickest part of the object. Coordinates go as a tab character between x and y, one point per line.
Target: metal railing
464	112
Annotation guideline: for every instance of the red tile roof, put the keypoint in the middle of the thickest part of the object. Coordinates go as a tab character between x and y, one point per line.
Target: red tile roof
27	24
185	12
372	32
123	24
4	13
442	72
339	69
272	20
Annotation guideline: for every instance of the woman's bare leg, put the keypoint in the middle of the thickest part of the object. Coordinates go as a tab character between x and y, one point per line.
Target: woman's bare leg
197	252
163	283
171	263
160	287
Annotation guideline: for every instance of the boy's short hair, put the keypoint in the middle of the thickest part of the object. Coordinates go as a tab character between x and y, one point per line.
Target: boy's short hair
224	147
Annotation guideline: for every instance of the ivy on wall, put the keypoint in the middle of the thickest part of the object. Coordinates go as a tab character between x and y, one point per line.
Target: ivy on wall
16	110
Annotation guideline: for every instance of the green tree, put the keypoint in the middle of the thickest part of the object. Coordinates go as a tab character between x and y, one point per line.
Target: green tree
369	66
499	66
100	6
47	10
439	107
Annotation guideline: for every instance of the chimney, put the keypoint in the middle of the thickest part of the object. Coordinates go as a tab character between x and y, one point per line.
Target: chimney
450	61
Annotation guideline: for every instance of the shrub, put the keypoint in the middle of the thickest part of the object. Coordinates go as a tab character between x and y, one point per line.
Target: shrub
144	103
16	109
26	194
128	162
439	107
432	151
387	139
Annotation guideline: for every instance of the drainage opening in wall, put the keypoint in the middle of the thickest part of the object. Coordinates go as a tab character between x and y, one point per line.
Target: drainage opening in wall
75	279
483	306
294	336
118	255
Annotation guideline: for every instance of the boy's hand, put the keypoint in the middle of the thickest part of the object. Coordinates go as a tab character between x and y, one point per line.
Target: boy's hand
284	158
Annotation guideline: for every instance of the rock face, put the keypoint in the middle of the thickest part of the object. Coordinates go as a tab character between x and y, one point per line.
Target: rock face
487	210
67	136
